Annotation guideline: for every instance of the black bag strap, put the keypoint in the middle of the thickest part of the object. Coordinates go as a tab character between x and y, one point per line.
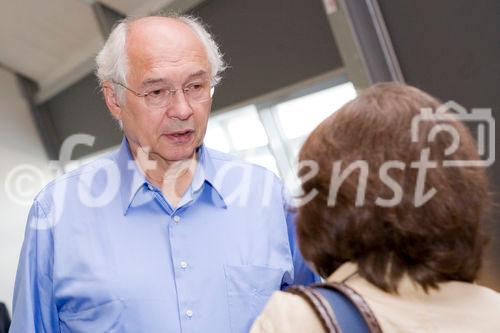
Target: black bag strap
324	310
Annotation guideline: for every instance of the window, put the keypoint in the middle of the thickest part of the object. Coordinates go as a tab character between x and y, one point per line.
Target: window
240	132
272	136
298	117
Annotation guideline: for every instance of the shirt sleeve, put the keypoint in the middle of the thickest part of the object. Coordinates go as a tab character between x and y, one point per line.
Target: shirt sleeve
34	309
303	275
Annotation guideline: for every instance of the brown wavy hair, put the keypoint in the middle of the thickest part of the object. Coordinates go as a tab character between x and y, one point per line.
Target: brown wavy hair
438	241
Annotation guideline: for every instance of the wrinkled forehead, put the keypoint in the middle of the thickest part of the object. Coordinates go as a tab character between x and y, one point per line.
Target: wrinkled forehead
155	40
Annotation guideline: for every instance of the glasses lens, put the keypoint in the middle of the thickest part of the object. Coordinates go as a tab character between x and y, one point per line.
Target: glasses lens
195	92
158	98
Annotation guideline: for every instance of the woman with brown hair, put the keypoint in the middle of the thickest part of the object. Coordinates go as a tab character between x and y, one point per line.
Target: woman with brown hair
390	221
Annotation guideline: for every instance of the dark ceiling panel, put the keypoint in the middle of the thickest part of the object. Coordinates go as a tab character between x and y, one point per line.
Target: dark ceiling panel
448	47
269	44
81	109
451	48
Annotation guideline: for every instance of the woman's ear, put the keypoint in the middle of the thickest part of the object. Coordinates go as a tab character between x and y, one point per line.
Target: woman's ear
112	101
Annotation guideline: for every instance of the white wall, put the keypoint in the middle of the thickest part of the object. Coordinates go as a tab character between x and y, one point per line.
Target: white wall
20	145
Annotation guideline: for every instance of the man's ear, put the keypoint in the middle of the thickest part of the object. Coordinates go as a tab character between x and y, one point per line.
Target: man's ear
111	99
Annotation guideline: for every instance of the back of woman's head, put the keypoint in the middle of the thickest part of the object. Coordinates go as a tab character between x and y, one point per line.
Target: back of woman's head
400	210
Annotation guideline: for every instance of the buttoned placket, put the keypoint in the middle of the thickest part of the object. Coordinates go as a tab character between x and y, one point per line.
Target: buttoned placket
182	267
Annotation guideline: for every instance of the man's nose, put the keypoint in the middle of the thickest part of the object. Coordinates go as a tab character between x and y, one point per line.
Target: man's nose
179	107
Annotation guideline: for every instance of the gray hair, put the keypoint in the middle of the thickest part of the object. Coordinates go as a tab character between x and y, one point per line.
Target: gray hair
112	59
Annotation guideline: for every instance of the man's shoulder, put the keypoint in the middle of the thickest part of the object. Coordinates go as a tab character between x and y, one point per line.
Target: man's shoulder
70	180
217	155
237	178
220	159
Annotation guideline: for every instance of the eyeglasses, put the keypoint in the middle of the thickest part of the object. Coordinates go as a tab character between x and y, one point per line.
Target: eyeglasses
160	97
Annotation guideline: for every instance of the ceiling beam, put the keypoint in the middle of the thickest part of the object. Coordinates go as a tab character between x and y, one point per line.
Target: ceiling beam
364	43
42	118
14	71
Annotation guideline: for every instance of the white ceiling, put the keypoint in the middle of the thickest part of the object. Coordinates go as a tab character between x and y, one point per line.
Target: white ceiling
54	41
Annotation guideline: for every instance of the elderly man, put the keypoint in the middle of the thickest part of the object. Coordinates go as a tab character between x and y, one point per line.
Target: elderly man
163	235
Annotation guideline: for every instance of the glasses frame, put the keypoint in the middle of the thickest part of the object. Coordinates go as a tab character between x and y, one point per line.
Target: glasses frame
172	92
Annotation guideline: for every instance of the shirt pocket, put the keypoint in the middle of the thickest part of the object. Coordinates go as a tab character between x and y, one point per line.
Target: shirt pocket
248	289
101	318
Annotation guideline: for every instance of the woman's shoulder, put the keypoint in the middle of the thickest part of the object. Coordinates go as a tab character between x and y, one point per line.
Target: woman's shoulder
286	312
475	294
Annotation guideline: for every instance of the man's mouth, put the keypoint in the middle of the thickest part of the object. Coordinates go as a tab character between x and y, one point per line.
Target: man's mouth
180	136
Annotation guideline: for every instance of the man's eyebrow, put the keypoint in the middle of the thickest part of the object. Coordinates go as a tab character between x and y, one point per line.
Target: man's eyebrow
198	73
152	81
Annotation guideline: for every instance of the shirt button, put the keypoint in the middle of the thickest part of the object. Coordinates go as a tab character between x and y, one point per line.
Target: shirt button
189	313
177	218
184	264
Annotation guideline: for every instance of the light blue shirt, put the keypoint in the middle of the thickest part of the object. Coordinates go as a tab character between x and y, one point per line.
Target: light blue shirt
104	251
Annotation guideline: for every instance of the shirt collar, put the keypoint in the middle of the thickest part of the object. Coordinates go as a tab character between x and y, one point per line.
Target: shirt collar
132	178
207	173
